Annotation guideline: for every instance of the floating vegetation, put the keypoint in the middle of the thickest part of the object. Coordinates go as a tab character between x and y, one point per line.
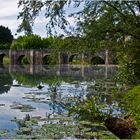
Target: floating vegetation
36	93
4	133
22	107
34	98
2	105
55	126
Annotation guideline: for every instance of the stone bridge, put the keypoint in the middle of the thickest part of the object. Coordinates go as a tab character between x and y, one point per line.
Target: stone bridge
37	57
103	57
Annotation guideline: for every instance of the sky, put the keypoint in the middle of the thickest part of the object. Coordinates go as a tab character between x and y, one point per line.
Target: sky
8	18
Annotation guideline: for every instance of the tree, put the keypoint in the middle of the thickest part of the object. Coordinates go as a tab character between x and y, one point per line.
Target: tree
73	44
30	42
6	37
54	13
104	23
27	19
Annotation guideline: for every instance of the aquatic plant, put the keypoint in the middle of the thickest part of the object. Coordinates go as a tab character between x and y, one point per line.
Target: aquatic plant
22	107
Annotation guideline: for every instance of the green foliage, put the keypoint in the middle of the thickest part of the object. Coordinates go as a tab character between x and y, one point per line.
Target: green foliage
6	60
52	59
91	119
133	102
30	42
73	44
88	110
126	72
129	60
6	38
30	10
25	61
133	105
114	25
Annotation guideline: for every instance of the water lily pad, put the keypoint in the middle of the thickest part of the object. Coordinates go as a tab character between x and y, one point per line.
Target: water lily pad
22	107
4	133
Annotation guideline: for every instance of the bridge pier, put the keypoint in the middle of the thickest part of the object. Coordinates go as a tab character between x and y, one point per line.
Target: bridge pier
106	57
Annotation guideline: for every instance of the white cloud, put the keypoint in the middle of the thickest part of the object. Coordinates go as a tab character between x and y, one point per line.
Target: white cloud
8	7
8	14
8	17
71	21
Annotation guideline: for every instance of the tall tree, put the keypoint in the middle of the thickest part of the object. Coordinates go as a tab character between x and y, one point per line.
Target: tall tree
6	37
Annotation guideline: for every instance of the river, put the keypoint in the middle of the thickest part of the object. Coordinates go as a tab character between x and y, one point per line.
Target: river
35	100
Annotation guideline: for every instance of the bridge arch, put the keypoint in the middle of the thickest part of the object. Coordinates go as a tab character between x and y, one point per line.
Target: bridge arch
73	57
2	57
97	60
21	58
46	59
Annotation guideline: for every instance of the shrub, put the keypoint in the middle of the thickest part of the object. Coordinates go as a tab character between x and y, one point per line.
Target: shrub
30	42
133	101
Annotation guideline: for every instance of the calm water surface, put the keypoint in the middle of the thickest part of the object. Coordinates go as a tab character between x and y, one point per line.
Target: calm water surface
45	93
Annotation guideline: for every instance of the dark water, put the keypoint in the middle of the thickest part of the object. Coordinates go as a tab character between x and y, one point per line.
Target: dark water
46	92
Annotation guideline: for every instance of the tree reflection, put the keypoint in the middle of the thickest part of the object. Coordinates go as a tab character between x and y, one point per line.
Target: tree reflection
34	80
5	82
29	79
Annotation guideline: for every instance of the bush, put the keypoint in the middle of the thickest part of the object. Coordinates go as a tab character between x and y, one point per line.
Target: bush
133	101
6	60
30	42
25	60
133	105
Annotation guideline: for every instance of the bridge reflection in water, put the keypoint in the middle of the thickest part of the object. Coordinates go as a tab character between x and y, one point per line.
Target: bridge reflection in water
63	70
